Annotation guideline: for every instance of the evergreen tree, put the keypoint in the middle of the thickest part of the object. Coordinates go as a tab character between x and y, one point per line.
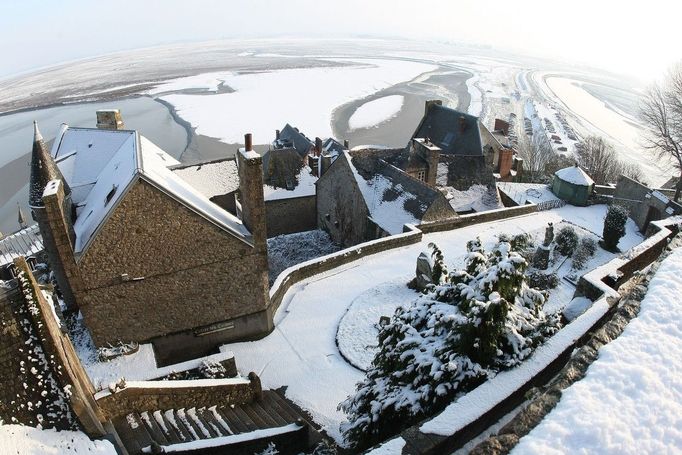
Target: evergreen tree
482	319
614	226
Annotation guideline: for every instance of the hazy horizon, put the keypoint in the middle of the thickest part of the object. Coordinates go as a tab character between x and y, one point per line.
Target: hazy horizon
606	35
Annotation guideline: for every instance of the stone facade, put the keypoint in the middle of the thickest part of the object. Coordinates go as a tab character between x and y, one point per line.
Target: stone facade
286	216
643	204
341	209
176	271
110	120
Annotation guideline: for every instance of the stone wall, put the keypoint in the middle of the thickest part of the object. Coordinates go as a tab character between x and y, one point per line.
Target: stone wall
341	209
300	272
476	218
153	395
182	272
47	349
464	171
286	216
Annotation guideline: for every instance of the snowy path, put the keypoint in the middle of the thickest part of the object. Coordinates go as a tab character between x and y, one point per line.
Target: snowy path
630	400
301	352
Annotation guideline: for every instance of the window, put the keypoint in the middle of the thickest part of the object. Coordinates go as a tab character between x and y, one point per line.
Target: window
421	175
110	194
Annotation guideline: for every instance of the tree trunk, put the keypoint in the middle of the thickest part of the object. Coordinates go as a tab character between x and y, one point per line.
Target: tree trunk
678	187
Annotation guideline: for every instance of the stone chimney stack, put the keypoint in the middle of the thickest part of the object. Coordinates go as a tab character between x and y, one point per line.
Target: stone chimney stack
250	166
431	154
318	146
277	133
346	144
430	103
110	120
462	123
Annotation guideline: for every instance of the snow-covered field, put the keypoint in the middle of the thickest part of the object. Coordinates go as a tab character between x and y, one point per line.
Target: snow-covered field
302	354
630	401
266	101
19	439
377	111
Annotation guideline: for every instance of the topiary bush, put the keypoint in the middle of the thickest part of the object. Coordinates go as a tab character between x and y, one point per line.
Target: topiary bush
481	320
543	281
614	227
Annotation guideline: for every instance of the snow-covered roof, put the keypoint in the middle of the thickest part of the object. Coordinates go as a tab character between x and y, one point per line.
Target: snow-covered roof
213	178
119	164
523	193
388	212
305	187
25	242
574	175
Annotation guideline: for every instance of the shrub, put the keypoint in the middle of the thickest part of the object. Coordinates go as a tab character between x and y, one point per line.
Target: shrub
584	252
566	241
614	226
542	281
482	320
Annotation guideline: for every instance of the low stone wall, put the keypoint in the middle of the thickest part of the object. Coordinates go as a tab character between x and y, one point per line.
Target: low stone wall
63	360
142	396
305	270
278	215
476	218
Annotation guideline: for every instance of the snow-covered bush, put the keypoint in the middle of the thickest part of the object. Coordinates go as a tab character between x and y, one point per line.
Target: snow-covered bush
614	226
483	319
542	281
584	252
566	241
210	369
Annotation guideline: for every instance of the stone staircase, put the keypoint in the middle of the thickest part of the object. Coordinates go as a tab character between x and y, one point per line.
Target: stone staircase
245	428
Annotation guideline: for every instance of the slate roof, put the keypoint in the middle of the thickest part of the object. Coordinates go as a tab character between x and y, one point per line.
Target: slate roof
25	242
281	167
290	137
393	198
332	146
453	131
211	178
105	166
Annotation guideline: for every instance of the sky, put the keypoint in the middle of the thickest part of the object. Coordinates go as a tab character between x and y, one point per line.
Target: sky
636	38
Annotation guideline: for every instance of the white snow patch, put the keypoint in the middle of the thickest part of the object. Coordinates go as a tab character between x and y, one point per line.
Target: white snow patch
391	447
263	101
377	111
32	441
629	401
576	307
574	175
211	179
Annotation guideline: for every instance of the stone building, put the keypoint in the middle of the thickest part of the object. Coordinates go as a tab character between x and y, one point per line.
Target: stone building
362	197
144	255
644	204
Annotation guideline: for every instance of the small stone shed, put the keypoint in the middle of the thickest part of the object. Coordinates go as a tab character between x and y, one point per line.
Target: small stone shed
572	185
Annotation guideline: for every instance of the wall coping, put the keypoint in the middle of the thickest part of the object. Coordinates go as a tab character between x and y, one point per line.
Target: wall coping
179	384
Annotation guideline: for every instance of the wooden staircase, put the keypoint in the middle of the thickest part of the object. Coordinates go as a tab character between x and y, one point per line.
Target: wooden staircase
245	428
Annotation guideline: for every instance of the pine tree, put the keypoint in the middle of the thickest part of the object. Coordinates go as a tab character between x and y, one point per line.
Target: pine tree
483	319
614	226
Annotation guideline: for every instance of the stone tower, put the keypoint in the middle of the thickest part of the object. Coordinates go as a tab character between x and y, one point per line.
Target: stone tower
54	215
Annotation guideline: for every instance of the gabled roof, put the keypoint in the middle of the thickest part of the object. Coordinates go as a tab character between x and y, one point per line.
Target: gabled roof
331	146
120	160
453	131
25	242
392	197
574	175
291	137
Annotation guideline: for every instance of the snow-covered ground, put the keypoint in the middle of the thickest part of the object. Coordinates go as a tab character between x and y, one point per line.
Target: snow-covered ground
302	354
477	198
523	193
264	101
376	111
19	439
630	401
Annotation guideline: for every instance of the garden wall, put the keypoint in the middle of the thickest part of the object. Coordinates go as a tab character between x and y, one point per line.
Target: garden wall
476	218
139	396
477	410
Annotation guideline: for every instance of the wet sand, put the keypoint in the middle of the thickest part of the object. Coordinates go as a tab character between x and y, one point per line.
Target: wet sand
443	83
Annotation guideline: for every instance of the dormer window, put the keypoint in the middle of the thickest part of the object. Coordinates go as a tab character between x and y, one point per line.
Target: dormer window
110	194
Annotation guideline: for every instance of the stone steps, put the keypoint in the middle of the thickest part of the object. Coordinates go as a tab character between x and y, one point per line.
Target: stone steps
166	428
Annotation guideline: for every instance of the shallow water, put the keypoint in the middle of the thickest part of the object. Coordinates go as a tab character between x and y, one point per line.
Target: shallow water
150	117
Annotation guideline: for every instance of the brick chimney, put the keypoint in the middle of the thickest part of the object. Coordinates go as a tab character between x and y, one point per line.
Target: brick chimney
250	168
109	119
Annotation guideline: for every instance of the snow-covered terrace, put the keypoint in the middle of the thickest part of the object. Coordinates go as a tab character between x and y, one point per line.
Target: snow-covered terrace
308	362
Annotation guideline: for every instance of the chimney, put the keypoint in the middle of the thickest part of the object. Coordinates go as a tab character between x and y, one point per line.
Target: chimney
109	119
318	146
277	133
462	123
346	144
430	103
250	169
